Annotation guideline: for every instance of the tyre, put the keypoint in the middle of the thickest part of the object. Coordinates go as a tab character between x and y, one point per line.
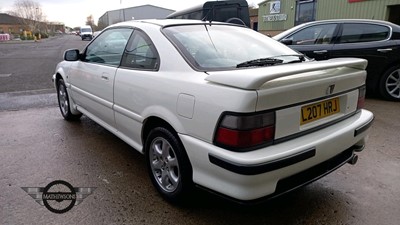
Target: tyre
168	165
389	86
63	102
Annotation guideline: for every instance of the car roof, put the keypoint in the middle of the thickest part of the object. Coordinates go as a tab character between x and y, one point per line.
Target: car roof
352	21
168	22
369	21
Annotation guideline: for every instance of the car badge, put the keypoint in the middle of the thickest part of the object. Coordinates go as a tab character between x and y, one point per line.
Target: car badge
330	89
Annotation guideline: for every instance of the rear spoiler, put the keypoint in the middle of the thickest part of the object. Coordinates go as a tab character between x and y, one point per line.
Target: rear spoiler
252	79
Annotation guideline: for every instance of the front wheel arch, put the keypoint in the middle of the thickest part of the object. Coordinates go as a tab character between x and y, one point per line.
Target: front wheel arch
64	101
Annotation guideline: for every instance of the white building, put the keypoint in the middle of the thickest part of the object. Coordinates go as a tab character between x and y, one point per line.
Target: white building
133	13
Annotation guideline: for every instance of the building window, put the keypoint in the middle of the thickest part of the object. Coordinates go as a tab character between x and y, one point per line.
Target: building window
305	11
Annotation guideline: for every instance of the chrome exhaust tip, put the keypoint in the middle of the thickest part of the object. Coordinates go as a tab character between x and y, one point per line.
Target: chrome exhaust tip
358	148
353	159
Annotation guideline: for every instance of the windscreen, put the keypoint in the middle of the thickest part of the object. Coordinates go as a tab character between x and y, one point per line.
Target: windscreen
86	30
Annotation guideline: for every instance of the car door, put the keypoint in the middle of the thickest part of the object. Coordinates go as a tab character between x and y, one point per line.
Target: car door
315	41
92	78
368	41
135	78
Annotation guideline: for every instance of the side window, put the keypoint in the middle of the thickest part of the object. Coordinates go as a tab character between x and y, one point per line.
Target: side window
140	53
319	34
353	33
108	47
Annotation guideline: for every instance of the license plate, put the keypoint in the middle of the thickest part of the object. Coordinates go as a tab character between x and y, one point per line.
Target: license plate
319	110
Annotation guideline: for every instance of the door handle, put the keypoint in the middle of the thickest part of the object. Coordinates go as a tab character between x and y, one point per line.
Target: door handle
320	52
383	50
104	78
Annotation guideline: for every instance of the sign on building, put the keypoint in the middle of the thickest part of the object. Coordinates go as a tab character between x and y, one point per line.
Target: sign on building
276	17
274	7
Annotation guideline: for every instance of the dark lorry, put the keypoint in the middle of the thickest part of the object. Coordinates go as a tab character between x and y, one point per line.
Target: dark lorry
234	11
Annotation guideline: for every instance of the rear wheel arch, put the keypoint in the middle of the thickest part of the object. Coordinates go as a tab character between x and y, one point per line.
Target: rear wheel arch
153	122
155	130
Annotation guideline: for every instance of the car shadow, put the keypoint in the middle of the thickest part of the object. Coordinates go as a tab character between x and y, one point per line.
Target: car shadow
311	204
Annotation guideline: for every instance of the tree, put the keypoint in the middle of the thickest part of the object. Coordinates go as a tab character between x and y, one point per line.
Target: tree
31	14
253	5
101	25
90	22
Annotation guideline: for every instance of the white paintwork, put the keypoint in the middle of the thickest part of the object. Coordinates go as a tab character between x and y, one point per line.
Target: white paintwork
255	78
185	106
192	103
86	32
328	142
91	90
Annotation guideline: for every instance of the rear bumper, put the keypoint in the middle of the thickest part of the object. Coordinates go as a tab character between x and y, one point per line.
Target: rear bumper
274	170
300	179
282	162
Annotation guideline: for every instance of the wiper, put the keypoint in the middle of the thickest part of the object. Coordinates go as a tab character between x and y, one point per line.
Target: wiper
302	58
260	62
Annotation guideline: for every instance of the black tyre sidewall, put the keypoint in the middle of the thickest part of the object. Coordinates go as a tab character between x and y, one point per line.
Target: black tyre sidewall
68	116
186	183
382	84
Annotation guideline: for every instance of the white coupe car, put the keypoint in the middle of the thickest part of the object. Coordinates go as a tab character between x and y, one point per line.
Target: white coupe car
218	106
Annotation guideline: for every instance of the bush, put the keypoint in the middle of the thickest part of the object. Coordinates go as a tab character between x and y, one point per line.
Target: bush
32	36
44	35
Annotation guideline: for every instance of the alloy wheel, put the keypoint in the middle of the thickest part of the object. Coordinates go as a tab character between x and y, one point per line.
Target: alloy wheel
63	99
164	164
393	84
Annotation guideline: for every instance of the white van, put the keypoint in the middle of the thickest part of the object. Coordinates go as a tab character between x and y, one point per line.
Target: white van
86	32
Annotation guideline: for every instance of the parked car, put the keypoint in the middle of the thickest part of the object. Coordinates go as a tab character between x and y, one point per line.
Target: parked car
217	105
374	40
233	11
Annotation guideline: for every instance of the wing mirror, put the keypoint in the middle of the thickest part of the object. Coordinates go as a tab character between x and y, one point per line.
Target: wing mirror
287	41
71	55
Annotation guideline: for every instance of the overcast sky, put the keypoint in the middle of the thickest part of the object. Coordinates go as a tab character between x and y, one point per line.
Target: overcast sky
73	13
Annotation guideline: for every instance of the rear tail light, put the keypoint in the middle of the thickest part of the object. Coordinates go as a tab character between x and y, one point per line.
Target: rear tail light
245	132
361	98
